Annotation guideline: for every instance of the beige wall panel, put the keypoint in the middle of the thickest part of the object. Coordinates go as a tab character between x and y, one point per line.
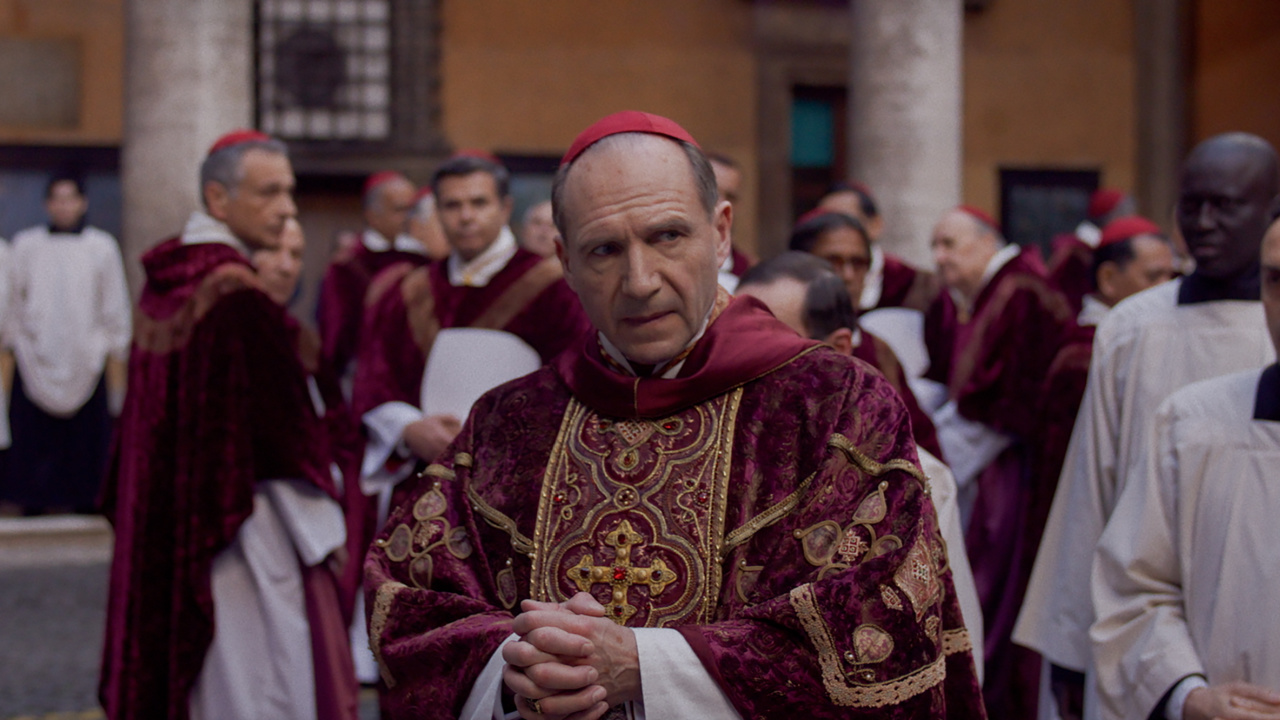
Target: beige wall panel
525	77
1236	68
1048	84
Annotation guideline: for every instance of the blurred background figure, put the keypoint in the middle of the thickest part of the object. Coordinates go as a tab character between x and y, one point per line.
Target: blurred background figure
1071	261
729	184
388	202
280	267
68	326
538	230
424	225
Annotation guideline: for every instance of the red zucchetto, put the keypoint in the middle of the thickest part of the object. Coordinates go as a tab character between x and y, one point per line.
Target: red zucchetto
237	137
980	215
1124	228
625	122
379	179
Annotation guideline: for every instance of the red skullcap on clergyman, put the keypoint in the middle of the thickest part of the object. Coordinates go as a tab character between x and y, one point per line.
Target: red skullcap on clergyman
1122	229
237	137
478	154
380	178
814	213
1103	201
980	215
423	192
625	122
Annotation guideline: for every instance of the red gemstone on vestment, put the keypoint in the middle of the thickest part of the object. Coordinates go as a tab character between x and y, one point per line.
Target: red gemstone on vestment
617	610
559	498
619	573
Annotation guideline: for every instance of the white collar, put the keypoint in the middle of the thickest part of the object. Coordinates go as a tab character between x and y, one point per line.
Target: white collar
873	285
1089	234
375	242
1092	310
670	373
202	228
481	268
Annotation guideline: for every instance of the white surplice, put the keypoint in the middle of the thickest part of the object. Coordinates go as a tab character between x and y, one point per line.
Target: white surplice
68	310
1147	347
259	664
1186	579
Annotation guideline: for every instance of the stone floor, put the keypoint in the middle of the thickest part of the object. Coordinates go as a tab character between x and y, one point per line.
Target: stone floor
53	587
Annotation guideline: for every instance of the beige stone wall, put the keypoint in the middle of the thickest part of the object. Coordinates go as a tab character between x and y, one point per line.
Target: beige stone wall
1048	84
93	27
526	76
1236	68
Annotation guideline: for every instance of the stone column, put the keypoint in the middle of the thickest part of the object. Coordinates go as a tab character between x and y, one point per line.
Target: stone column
1162	34
188	79
904	114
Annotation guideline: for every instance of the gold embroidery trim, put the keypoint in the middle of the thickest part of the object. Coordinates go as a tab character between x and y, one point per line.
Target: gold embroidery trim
871	466
771	515
464	460
500	521
387	593
438	471
956	640
874	695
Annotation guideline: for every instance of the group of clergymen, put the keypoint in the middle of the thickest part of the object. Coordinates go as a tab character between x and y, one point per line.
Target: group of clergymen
701	504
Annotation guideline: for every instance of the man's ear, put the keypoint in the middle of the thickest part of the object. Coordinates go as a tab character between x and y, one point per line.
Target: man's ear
216	197
841	340
1107	280
874	227
722	221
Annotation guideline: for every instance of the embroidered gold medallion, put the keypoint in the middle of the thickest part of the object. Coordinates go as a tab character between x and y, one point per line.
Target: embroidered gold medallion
633	511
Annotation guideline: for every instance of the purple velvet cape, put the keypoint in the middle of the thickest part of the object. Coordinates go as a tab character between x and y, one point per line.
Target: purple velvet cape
1071	269
999	359
217	401
393	352
340	307
877	353
834	596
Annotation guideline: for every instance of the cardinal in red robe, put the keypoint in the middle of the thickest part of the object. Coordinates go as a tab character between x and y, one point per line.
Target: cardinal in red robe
735	511
217	418
1006	327
389	199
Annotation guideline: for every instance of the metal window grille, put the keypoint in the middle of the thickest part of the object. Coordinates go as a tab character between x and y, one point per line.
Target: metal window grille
325	69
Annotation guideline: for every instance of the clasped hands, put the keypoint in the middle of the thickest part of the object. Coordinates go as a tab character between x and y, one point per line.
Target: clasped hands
571	661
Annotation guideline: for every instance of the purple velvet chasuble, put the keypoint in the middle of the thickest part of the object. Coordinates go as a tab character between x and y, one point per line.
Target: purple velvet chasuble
766	503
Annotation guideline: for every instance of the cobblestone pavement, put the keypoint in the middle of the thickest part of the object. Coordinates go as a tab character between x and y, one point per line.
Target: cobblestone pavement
53	588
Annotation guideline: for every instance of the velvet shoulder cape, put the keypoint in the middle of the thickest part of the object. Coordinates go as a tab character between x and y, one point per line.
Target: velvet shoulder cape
217	401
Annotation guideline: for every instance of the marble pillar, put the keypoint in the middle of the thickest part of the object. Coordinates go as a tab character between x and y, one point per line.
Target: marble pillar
904	114
188	79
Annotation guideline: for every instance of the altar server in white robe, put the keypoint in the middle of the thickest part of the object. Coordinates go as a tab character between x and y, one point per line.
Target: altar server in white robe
1185	579
68	321
1202	326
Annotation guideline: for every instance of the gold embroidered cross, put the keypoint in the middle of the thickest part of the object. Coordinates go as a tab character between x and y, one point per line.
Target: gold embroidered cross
621	574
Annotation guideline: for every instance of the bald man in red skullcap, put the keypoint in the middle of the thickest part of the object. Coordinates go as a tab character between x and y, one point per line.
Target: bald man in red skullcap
1006	326
389	200
223	601
693	512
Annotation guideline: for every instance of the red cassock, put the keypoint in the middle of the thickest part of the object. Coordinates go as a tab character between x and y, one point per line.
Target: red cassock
1060	403
766	503
906	286
217	402
1071	269
340	307
994	364
408	306
877	353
